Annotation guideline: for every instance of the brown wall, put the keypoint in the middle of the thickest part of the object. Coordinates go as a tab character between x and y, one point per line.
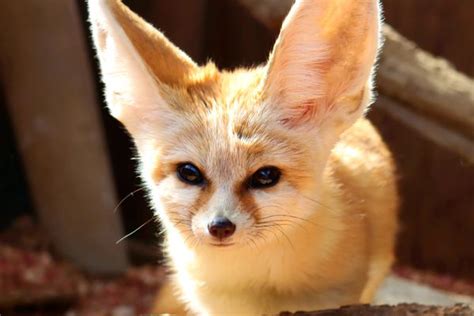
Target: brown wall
437	205
442	27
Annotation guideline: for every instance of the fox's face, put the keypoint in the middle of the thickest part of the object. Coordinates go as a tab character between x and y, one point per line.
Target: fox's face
227	168
237	158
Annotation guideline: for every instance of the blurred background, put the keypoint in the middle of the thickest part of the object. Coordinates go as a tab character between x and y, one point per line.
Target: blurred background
65	164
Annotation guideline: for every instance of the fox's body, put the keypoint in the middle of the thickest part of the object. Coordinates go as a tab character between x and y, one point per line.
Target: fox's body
274	192
337	256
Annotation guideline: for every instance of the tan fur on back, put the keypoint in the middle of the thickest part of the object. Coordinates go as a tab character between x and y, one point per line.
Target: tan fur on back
323	235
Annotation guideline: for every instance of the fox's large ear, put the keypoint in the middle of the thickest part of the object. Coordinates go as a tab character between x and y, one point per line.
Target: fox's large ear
321	65
135	59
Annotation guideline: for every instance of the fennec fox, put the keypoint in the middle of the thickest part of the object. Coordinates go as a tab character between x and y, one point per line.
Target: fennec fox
274	192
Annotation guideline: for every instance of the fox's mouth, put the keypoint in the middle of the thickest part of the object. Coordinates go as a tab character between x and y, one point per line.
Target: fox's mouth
222	244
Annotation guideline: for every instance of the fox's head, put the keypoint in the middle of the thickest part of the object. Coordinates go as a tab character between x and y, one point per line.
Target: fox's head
226	156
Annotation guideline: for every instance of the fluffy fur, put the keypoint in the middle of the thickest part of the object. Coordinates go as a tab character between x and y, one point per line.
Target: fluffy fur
324	235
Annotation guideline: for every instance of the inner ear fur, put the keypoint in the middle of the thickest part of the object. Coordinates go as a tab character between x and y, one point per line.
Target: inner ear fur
321	64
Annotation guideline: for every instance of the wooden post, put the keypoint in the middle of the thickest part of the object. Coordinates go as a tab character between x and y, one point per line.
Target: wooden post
51	98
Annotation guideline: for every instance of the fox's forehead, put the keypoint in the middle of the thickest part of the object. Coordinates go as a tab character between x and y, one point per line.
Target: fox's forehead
223	128
211	88
227	143
230	148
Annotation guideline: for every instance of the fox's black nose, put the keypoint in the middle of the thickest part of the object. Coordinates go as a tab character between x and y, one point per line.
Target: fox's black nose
221	227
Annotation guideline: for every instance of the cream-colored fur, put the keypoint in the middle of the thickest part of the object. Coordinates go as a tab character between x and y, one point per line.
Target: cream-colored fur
324	235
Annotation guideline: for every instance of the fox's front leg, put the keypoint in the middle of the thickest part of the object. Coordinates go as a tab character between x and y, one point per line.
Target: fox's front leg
167	301
378	271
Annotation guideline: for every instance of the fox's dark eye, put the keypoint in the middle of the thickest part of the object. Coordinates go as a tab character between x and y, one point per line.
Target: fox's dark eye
190	174
265	177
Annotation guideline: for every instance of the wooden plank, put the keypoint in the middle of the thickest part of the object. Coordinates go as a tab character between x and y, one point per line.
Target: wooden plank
387	310
428	85
436	133
51	97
